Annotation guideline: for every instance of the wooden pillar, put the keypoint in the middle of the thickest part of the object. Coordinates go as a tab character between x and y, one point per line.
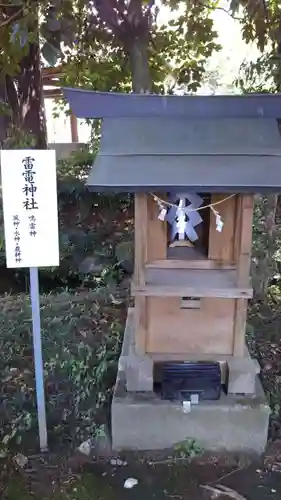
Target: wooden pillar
244	238
141	254
242	250
156	231
74	128
141	240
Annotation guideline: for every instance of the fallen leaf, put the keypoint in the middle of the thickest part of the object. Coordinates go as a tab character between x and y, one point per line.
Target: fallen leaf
86	447
130	483
21	460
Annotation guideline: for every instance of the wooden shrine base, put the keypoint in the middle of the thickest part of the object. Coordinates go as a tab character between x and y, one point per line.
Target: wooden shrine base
138	368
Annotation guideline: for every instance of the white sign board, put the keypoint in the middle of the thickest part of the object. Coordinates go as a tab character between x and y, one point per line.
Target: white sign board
29	192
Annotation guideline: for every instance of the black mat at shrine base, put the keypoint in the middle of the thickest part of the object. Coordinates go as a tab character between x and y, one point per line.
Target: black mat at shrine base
188	381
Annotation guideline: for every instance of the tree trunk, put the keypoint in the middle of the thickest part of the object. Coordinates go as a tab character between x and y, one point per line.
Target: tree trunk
31	96
138	55
4	120
265	265
26	98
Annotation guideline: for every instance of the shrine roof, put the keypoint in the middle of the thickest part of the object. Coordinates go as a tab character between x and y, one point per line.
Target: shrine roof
92	104
226	146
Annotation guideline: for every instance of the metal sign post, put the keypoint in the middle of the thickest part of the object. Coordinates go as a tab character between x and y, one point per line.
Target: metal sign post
29	190
38	358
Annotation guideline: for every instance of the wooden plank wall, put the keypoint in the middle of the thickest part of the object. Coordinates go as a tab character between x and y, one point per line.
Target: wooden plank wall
176	330
221	244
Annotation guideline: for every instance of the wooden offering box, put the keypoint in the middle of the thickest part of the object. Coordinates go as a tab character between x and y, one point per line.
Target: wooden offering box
194	164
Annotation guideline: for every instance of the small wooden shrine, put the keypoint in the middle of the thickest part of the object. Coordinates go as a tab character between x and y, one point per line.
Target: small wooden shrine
194	164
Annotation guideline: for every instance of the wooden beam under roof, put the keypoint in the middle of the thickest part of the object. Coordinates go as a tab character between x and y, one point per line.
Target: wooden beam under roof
50	78
52	93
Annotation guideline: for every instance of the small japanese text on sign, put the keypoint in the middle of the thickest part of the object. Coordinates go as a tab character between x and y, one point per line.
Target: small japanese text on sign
16	223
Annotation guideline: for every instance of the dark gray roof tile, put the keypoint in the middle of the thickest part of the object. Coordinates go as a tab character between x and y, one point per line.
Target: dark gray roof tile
195	173
227	155
179	136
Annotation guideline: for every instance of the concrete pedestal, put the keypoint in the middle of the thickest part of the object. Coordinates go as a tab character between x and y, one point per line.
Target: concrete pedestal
142	421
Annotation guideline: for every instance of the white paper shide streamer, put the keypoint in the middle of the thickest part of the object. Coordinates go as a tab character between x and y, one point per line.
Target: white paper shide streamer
184	218
219	221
